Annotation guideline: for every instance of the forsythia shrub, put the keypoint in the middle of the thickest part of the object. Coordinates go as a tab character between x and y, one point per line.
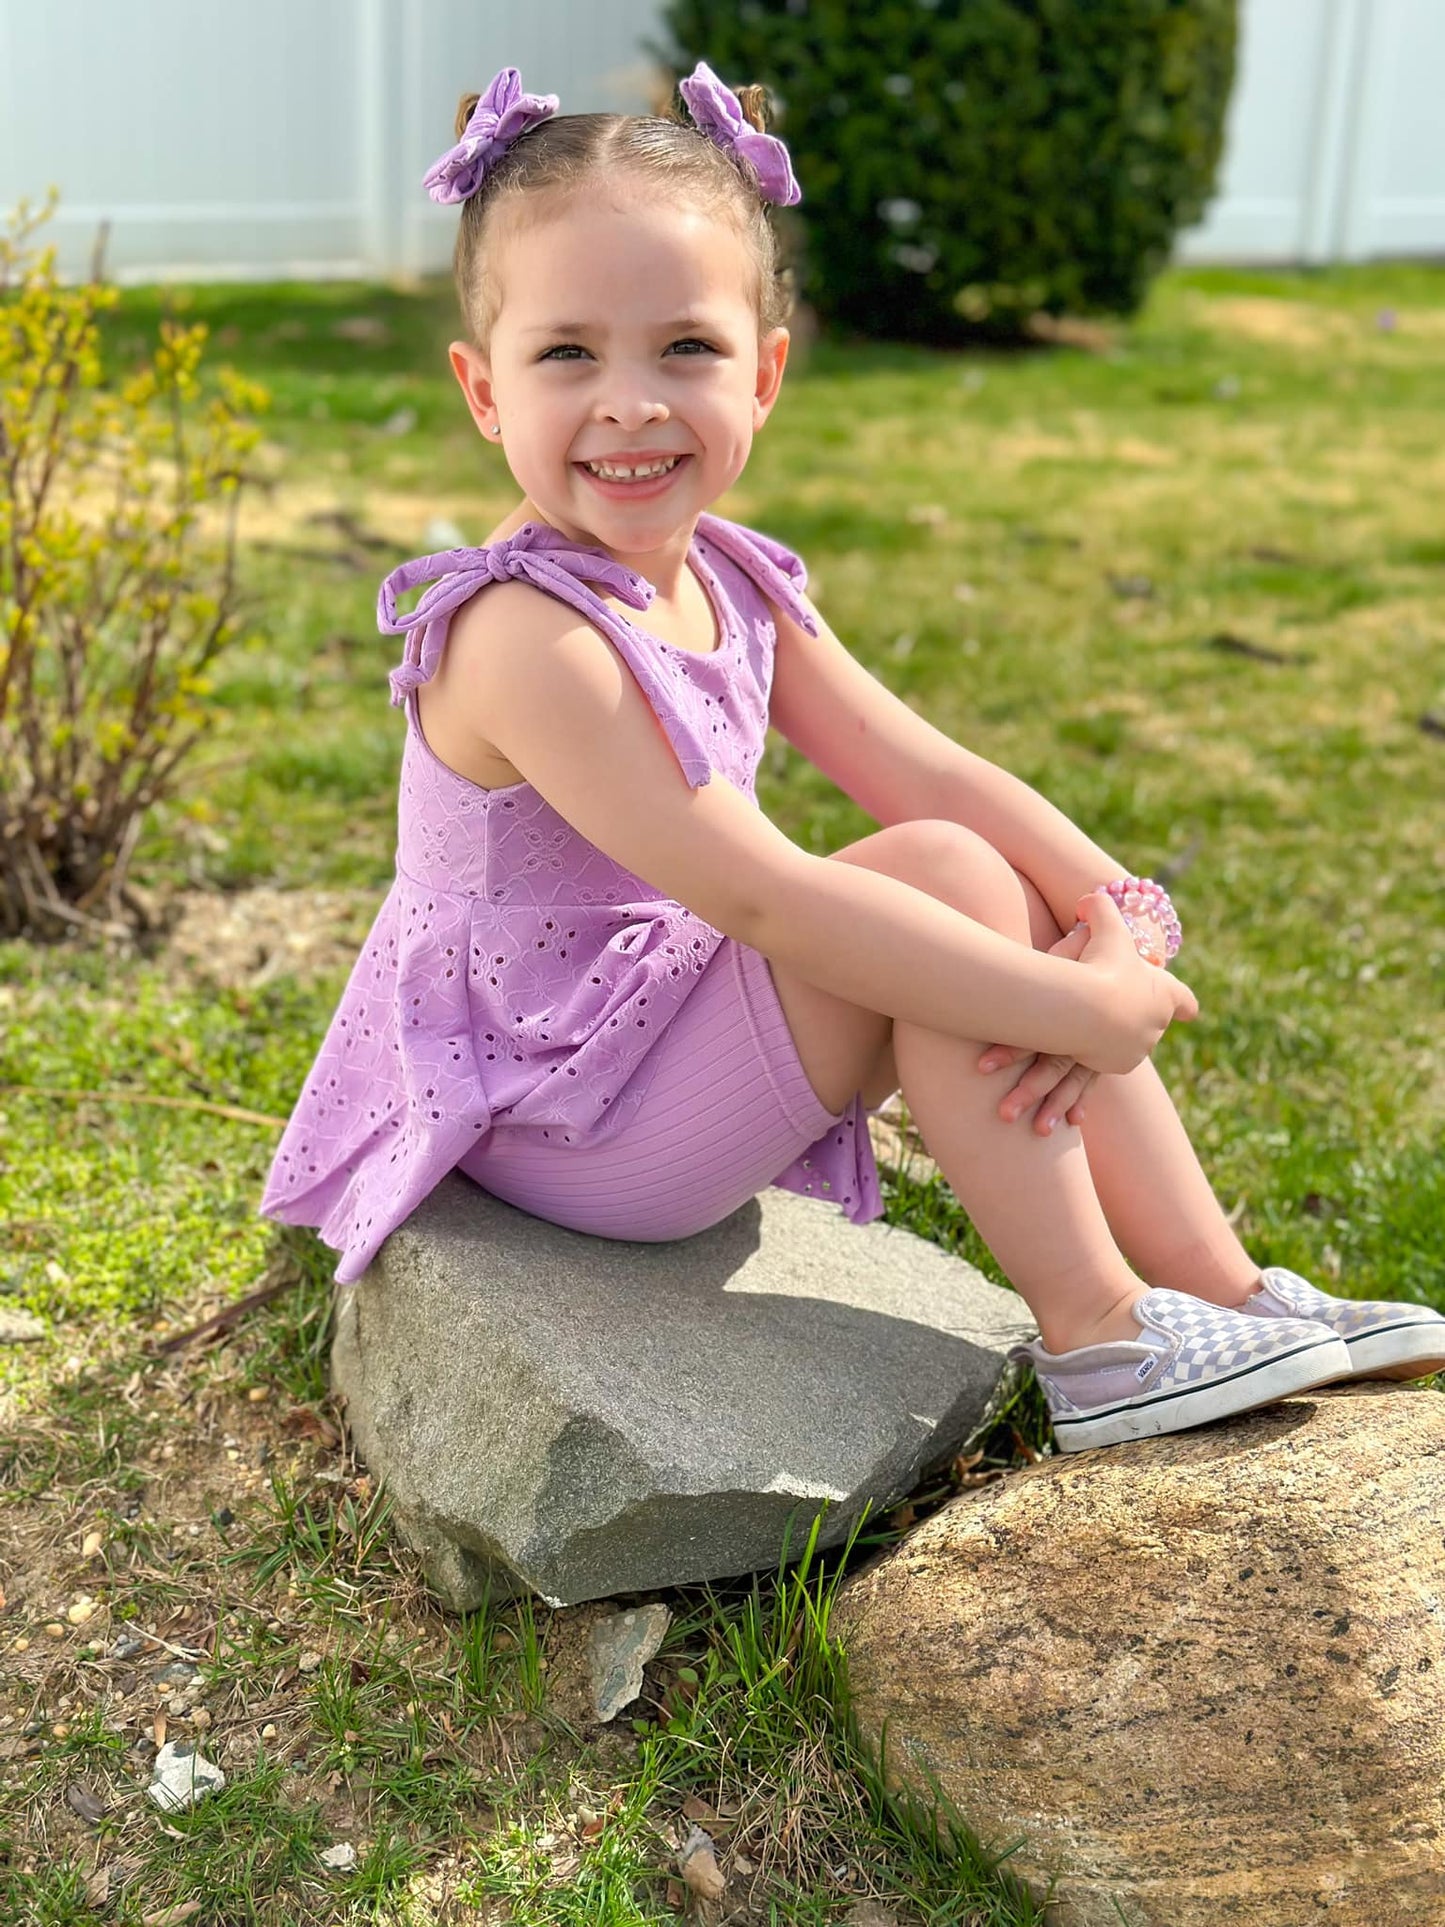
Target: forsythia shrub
113	602
966	164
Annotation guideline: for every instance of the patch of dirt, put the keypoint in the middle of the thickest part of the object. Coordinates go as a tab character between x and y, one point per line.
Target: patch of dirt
207	1449
1300	324
279	511
272	511
241	940
1278	323
1074	331
1088	444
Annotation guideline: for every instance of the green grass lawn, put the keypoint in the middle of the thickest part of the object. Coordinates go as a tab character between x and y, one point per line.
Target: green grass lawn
1187	582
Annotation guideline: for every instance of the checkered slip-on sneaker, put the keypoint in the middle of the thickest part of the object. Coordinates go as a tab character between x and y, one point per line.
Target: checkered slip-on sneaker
1384	1340
1191	1363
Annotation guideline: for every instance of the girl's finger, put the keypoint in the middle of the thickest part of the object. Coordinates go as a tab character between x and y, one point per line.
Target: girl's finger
1106	922
997	1056
1072	943
1077	1110
1186	1004
1064	1099
1042	1076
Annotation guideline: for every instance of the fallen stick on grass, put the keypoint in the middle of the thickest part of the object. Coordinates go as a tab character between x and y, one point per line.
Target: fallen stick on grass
147	1097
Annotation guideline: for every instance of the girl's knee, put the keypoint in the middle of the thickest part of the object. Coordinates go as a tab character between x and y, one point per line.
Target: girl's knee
958	866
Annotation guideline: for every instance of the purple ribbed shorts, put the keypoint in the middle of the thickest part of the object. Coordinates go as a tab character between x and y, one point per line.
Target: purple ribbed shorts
728	1108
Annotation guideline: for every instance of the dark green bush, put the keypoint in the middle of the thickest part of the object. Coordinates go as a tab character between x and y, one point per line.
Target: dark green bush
967	163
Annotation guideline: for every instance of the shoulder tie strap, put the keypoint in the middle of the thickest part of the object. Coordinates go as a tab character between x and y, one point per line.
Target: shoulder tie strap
777	571
564	568
554	562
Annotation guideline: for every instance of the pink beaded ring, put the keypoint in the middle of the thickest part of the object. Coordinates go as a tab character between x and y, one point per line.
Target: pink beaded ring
1146	907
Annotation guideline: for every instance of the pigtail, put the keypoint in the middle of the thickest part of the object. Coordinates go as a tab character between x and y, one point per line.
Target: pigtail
756	106
464	114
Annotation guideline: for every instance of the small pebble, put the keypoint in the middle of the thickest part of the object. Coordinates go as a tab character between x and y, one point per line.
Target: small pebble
19	1328
179	1672
183	1776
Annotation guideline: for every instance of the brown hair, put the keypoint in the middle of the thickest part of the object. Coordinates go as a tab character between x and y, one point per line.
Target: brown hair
556	156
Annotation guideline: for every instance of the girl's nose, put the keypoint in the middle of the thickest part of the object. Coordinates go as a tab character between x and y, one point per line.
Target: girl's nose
631	411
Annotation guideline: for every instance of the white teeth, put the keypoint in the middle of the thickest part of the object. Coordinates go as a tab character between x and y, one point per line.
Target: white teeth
610	473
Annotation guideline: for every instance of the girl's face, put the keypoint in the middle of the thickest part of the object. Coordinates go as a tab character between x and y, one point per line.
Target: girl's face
627	335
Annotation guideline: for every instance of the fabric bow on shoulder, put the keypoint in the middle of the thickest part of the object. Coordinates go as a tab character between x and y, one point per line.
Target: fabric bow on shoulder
534	552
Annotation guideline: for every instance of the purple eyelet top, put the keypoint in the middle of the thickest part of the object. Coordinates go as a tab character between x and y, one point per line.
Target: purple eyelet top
515	977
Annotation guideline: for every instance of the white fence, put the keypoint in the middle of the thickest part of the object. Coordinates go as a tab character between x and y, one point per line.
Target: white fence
289	137
1335	146
276	138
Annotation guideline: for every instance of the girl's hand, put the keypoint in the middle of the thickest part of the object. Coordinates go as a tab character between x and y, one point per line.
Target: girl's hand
1138	1001
1057	1085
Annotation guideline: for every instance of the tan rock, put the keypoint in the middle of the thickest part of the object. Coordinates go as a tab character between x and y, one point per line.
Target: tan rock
1201	1677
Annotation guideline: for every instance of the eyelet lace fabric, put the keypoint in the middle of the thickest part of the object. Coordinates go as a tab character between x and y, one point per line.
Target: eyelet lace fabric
515	977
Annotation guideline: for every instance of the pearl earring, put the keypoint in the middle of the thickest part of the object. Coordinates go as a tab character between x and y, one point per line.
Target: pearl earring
498	429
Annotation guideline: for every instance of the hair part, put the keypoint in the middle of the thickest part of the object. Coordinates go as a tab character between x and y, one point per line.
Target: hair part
553	159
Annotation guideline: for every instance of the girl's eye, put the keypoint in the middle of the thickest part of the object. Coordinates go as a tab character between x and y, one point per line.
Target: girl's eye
566	350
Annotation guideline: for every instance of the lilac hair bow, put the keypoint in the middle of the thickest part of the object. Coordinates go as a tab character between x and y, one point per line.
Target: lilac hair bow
502	114
719	113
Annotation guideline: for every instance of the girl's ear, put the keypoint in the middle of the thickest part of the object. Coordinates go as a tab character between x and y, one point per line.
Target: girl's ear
474	374
772	359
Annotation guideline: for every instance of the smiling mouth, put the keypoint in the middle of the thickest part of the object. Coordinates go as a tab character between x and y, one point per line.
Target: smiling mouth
643	472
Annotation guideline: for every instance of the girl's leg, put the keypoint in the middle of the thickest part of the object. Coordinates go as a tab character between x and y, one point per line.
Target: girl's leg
1031	1198
1139	1154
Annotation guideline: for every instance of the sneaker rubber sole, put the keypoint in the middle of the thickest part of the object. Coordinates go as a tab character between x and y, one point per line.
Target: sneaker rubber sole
1407	1350
1321	1362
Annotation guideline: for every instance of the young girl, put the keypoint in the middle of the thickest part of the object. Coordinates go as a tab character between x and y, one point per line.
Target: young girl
603	985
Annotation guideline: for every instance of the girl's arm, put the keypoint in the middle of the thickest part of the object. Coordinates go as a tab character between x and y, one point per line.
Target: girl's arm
897	766
559	704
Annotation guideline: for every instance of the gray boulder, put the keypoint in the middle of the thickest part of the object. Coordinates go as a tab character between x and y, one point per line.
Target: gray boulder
587	1416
